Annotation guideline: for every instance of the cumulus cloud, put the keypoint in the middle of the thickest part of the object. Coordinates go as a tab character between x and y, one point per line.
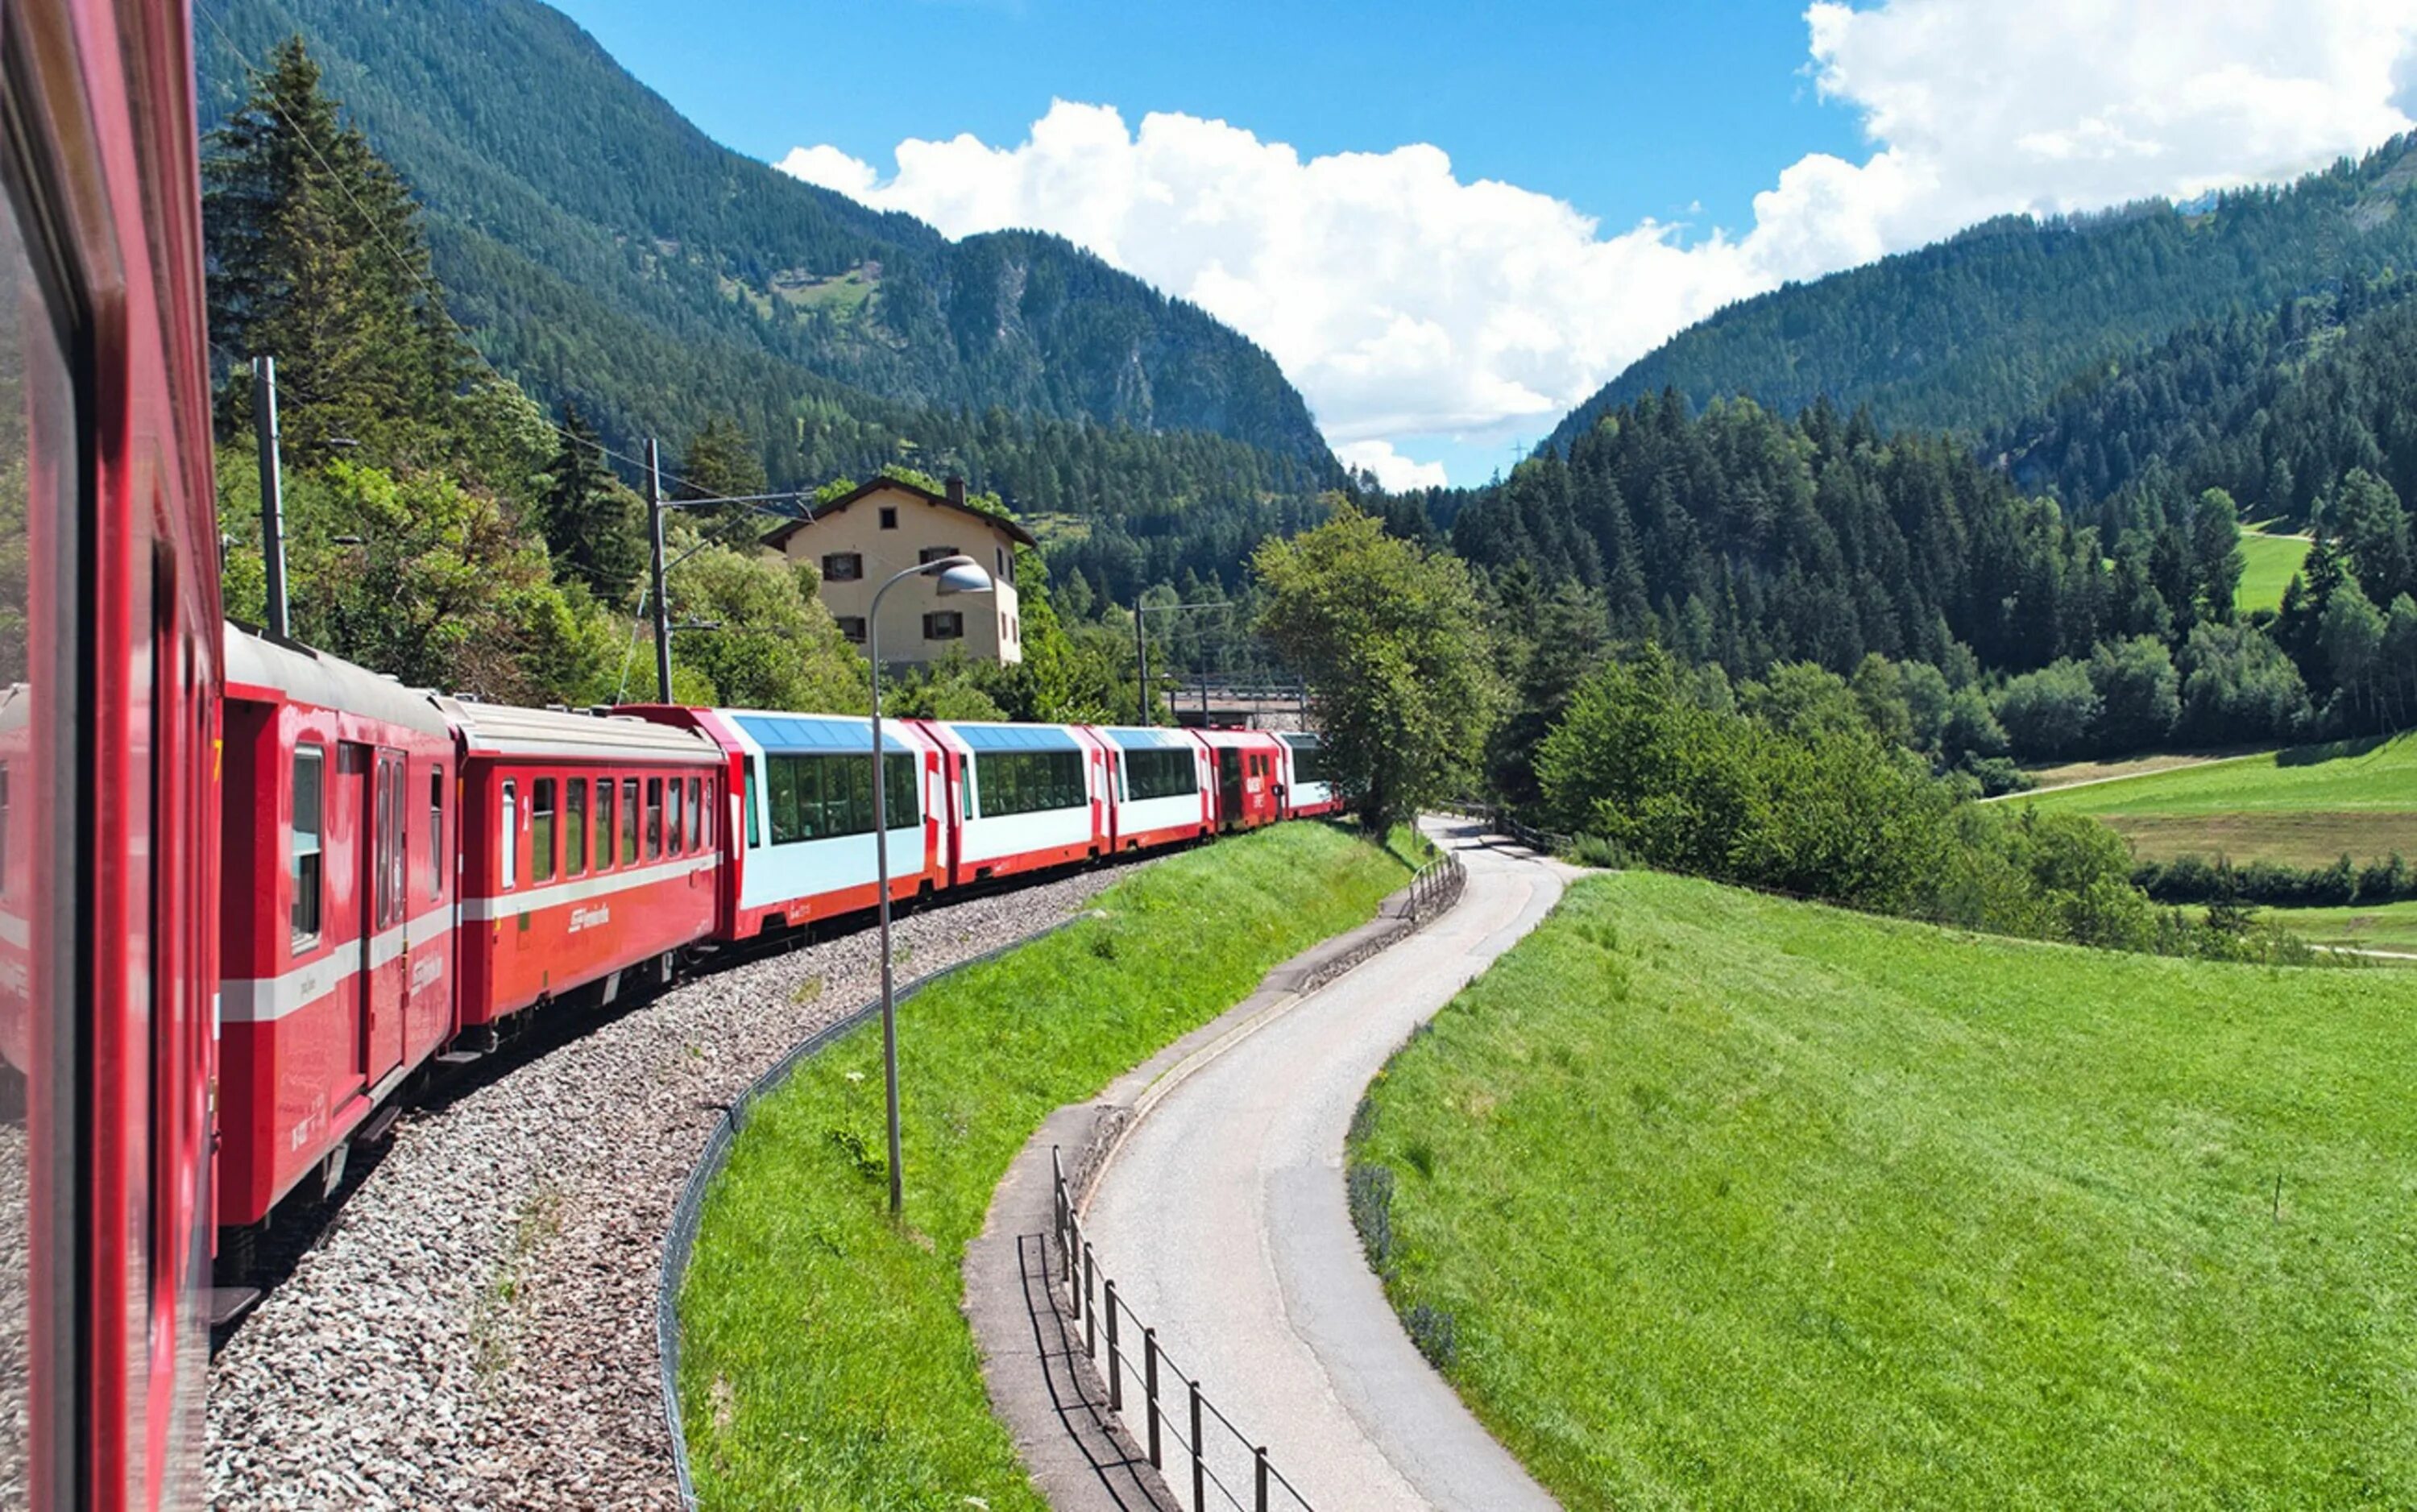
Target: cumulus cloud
1407	302
1395	472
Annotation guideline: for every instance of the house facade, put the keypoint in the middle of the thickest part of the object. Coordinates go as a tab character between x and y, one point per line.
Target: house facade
859	540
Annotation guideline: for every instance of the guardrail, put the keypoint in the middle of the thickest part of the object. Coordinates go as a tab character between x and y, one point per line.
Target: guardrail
1092	1300
1436	885
1546	841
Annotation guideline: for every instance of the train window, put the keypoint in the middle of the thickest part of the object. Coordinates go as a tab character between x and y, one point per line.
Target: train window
675	821
1159	773
1026	781
305	863
697	795
603	823
747	801
541	830
436	833
511	836
575	827
629	819
654	818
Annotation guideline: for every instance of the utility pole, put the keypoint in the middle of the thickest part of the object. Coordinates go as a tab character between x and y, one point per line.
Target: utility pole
655	539
272	488
1141	656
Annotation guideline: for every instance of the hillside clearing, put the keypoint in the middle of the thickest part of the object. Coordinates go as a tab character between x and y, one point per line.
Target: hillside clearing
824	1362
2359	927
2303	806
1735	1202
2270	564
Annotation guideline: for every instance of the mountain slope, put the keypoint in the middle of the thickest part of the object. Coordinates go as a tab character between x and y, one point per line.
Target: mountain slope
555	180
1971	332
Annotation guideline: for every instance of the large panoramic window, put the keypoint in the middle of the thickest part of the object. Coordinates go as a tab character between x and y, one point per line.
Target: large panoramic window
1027	781
823	797
1159	773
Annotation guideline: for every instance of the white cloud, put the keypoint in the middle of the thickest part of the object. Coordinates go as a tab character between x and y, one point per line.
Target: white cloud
1392	469
1407	302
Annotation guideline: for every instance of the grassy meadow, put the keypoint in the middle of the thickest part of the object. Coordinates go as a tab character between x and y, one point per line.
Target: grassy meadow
1735	1202
824	1362
2304	806
2271	563
2359	927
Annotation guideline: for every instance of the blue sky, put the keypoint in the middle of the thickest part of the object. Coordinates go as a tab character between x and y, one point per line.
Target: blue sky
1450	222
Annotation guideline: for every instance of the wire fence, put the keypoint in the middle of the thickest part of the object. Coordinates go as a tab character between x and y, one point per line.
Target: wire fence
1180	1426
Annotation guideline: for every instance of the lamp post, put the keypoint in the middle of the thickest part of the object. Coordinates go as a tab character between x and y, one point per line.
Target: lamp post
957	574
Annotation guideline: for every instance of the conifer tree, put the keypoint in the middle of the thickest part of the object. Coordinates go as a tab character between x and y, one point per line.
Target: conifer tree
592	521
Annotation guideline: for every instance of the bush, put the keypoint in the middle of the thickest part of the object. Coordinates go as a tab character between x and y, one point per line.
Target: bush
2051	712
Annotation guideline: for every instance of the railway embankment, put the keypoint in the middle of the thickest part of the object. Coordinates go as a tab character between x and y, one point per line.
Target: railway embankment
476	1326
824	1358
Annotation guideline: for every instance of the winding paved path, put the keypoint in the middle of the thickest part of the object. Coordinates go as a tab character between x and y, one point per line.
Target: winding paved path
1224	1220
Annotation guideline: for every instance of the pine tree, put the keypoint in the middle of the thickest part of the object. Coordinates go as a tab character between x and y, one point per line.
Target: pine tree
317	259
721	463
592	521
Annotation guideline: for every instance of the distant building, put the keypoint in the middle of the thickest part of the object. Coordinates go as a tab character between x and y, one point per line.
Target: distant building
858	541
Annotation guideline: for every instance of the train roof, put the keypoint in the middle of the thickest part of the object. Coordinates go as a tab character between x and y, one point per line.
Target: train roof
843	733
1298	739
507	730
1137	737
979	735
316	677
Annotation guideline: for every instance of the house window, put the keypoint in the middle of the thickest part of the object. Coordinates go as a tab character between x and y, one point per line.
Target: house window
852	626
890	517
936	554
843	566
1000	552
944	624
306	865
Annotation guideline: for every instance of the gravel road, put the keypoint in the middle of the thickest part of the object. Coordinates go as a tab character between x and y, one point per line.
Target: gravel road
477	1327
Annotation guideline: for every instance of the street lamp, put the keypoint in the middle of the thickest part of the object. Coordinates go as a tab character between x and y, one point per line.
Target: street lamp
957	574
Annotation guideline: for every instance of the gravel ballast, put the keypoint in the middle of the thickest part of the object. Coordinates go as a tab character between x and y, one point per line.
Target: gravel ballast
476	1326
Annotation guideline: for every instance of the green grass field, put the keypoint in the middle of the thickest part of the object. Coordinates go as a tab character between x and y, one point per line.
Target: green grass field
1741	1203
2377	926
2272	561
2303	806
824	1362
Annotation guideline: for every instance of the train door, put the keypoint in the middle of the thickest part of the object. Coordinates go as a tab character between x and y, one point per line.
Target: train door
350	821
385	965
1229	787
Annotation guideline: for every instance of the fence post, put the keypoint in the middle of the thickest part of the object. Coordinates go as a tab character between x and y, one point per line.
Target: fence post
1259	1463
1149	1389
1115	1367
1199	1482
1090	1313
1074	1277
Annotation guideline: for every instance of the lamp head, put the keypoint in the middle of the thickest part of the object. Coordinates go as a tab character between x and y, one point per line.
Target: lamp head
962	574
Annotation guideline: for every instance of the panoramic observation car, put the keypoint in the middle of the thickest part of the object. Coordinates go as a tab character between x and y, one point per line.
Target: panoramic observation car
1300	777
336	918
1158	786
1024	797
1245	763
590	848
109	682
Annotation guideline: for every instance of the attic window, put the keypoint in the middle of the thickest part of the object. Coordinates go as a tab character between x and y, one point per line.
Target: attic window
890	517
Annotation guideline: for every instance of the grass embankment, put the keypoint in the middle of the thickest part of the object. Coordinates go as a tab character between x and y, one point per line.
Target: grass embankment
1744	1203
824	1362
2305	806
2268	564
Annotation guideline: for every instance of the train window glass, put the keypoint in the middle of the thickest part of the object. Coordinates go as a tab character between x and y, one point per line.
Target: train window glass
511	836
629	819
696	814
904	804
654	818
603	823
703	812
675	821
1159	773
1027	781
747	801
541	830
436	833
780	799
575	827
306	865
382	849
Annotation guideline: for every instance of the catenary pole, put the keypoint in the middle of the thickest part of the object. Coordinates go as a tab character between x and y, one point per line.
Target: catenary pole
272	493
655	541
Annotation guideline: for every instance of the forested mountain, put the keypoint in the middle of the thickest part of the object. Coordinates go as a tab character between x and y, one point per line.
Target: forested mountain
604	252
1971	332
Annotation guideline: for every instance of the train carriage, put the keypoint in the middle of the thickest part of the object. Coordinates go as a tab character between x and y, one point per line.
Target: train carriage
1160	788
1245	763
1302	782
591	847
336	922
1023	797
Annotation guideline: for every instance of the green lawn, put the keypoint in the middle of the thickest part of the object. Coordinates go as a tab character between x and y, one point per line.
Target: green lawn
824	1362
1740	1202
2272	561
2303	806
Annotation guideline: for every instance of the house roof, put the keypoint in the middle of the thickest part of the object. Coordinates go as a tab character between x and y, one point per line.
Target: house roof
779	537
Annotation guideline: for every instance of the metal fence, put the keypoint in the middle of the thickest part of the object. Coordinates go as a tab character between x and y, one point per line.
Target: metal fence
1435	886
1204	1443
1543	841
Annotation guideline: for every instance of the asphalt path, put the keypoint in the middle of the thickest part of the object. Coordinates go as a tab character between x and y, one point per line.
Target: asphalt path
1224	1221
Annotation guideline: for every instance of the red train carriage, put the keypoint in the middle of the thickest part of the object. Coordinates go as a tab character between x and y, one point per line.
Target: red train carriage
109	678
590	847
1023	797
1246	764
335	924
1302	784
1160	786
